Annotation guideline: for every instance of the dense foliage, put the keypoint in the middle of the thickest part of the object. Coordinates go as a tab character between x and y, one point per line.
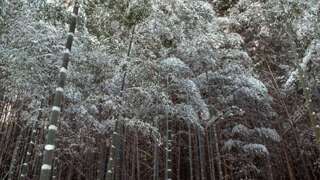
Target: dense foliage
236	82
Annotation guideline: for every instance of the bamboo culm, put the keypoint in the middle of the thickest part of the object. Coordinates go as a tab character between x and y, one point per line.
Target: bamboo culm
190	151
25	165
156	159
201	153
50	144
111	164
13	163
168	171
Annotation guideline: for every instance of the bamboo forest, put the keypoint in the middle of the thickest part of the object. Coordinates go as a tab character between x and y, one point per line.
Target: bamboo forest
159	89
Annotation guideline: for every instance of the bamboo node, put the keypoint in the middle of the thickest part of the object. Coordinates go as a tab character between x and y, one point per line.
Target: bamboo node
46	167
49	147
63	70
70	34
59	89
56	108
53	127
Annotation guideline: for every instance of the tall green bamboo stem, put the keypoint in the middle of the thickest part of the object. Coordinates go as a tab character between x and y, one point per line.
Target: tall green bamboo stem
25	165
50	143
168	170
113	150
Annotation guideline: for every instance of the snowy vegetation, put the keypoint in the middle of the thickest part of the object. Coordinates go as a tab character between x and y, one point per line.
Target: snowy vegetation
205	89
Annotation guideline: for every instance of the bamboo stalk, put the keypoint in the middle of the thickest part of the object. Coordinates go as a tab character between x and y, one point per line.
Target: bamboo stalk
110	166
201	154
50	143
190	152
119	152
178	156
13	165
31	144
210	154
168	170
133	160
123	159
217	150
156	162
